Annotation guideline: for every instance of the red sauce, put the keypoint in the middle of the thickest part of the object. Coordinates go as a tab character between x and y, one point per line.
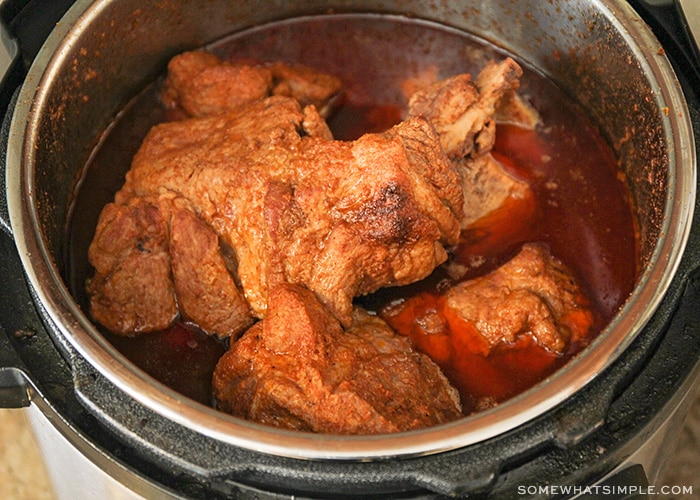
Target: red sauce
482	380
580	207
181	357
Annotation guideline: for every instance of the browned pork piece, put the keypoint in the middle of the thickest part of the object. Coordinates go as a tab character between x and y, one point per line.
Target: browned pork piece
464	112
297	369
532	294
154	258
201	84
343	218
285	201
130	252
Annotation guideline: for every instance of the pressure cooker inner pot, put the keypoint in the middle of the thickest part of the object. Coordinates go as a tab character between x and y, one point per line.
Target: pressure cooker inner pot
595	60
567	165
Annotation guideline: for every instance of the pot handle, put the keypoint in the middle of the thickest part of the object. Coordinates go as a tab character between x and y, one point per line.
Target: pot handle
17	327
9	50
14	390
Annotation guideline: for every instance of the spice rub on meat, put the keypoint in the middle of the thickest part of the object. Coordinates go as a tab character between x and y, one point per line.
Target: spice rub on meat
496	334
341	218
200	84
531	294
155	260
297	369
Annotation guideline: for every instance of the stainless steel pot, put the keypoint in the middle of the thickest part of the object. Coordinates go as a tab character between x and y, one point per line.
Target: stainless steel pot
103	53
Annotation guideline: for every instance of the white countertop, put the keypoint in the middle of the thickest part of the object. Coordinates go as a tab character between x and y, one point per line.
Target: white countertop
21	466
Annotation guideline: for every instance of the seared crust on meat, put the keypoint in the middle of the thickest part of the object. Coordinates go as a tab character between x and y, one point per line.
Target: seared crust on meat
131	291
261	176
200	84
532	294
342	218
155	260
297	369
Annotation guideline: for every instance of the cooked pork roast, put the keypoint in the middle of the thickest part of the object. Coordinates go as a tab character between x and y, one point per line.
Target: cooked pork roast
291	204
298	369
243	215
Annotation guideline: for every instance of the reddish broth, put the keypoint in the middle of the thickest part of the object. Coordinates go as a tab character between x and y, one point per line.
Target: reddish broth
580	209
